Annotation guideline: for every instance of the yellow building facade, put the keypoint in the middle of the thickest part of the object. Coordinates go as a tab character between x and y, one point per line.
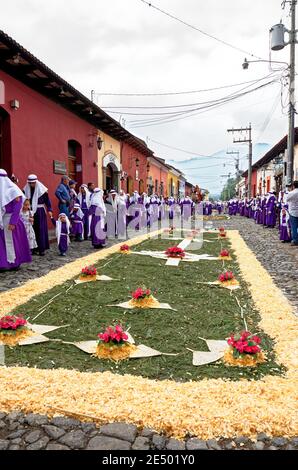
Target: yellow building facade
173	183
109	163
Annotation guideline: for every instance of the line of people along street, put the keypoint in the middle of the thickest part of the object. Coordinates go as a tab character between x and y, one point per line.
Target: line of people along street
86	214
271	211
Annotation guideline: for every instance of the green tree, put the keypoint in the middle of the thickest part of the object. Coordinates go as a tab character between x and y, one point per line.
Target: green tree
229	190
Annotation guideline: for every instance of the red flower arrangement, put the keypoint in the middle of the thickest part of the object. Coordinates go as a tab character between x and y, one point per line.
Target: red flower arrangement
143	298
114	335
11	322
13	329
175	252
224	254
140	294
113	344
244	350
88	273
227	276
125	249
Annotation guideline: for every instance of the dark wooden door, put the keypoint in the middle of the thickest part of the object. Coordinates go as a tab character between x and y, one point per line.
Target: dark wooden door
72	168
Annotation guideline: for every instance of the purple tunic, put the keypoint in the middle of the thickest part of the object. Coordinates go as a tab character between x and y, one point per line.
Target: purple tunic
19	237
134	214
186	209
63	245
86	216
77	225
270	212
284	229
40	224
97	227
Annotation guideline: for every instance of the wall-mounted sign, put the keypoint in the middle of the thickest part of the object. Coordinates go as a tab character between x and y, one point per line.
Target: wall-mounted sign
137	175
59	167
78	168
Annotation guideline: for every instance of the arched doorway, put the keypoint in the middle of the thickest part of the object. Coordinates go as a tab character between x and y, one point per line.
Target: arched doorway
111	177
141	187
111	171
129	185
75	161
5	141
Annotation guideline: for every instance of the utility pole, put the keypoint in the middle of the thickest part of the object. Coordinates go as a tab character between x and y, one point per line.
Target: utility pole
278	43
249	141
291	133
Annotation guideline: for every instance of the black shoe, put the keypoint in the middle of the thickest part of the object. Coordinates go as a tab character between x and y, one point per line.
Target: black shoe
41	254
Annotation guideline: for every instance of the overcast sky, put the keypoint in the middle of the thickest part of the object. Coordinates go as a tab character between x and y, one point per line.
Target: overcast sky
125	46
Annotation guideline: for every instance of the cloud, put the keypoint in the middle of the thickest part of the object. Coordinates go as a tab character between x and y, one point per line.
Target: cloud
125	46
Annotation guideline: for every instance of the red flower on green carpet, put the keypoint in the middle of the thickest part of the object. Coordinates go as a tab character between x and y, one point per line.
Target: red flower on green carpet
140	293
11	322
113	334
224	254
227	276
89	271
175	252
124	248
244	343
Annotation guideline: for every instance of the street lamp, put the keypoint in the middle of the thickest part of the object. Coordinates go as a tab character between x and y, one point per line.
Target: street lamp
247	62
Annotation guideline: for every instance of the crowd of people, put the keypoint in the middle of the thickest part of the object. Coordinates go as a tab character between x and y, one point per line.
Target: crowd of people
89	214
271	211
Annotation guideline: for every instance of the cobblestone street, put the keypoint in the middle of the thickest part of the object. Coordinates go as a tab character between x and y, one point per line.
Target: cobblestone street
37	432
43	265
279	259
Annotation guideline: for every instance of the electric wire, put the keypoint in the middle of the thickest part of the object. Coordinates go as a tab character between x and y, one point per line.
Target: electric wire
221	41
177	92
192	113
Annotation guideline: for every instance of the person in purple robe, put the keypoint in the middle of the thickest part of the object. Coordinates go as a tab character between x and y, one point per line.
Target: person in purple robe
111	203
186	205
258	211
271	210
62	233
84	199
14	245
77	223
134	211
73	194
284	225
122	214
98	213
38	196
154	207
171	205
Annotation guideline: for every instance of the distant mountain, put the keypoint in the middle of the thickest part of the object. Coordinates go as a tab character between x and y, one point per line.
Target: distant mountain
207	171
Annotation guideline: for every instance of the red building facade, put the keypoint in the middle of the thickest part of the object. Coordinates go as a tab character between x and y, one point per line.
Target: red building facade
134	168
43	138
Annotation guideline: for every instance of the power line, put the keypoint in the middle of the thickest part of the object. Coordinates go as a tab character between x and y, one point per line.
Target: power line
186	151
212	102
221	41
178	92
185	111
190	113
184	105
